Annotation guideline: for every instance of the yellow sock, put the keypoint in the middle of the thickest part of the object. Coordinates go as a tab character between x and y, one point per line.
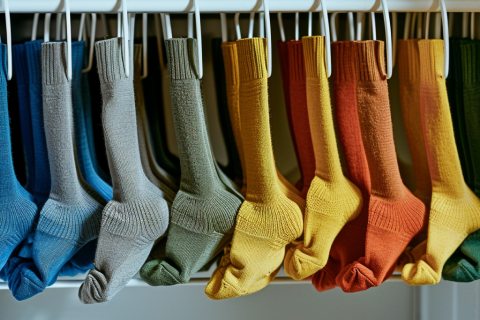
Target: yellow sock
454	209
267	220
332	200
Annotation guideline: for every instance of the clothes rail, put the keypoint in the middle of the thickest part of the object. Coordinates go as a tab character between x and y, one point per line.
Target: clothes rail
217	6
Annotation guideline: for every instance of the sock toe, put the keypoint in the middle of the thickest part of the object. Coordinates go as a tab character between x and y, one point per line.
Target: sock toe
323	281
93	288
355	277
24	283
300	265
419	274
161	273
221	289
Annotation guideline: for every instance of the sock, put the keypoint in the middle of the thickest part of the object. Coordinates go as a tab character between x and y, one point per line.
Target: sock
71	216
332	199
204	211
167	189
454	210
395	215
283	56
463	265
268	220
21	75
299	113
409	89
17	208
137	215
349	245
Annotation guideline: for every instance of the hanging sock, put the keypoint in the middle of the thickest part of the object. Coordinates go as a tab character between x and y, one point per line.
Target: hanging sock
395	215
18	211
349	245
137	215
268	220
463	265
332	200
455	210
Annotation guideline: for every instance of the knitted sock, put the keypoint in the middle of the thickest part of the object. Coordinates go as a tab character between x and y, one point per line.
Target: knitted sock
204	210
463	265
395	215
137	215
21	75
141	131
332	199
454	210
349	245
268	220
71	216
299	113
283	56
18	211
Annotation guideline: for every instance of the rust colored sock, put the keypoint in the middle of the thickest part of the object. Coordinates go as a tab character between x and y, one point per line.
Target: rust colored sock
299	113
395	215
349	245
284	70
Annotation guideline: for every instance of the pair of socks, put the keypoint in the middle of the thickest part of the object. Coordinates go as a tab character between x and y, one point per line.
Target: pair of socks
269	219
138	214
332	200
454	209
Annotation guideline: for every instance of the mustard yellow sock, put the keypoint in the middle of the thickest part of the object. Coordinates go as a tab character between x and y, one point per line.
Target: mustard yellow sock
332	199
268	220
454	209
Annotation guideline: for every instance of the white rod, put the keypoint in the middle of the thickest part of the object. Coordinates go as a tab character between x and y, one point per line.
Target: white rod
427	24
58	26
322	24
251	25
261	25
438	25
359	28
280	26
465	25
190	25
217	6
297	27
34	26
408	18
351	26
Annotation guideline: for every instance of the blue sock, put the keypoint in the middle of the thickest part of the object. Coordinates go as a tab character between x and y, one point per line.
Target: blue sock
17	209
21	75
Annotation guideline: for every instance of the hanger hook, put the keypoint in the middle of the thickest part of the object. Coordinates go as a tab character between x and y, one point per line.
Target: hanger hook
34	26
360	26
198	28
92	44
327	39
280	26
9	39
69	40
269	36
251	24
145	45
388	34
126	55
333	26
446	47
237	26
223	24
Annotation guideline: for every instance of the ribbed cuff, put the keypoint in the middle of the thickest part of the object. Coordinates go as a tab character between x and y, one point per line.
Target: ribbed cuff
182	56
408	60
252	60
110	60
314	54
431	60
470	56
230	59
296	61
34	60
78	48
343	61
137	61
370	57
54	62
20	64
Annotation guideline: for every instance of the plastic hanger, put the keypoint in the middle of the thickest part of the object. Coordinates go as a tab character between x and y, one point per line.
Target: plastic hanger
131	32
92	43
333	26
144	45
160	34
280	25
394	38
58	26
327	38
126	60
446	44
351	26
388	34
9	39
360	26
223	26
34	26
46	28
371	26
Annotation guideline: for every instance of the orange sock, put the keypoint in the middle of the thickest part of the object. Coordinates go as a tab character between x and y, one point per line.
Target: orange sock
395	215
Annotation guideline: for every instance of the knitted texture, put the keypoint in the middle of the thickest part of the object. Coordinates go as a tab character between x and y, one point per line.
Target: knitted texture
395	215
349	245
268	220
454	210
137	215
332	200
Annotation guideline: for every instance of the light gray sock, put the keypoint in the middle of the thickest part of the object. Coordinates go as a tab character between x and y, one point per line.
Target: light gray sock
138	213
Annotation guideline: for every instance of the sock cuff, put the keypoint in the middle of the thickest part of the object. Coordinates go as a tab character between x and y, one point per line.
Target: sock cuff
230	59
110	60
470	55
54	63
252	62
182	57
314	54
77	60
408	60
343	62
19	63
296	61
34	60
371	60
431	60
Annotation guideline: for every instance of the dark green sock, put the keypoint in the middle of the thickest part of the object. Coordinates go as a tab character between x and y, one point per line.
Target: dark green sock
463	265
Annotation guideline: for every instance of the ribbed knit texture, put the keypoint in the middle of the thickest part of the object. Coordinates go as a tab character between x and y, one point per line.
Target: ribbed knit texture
349	245
332	199
18	211
395	215
268	220
204	211
160	179
454	210
137	215
71	216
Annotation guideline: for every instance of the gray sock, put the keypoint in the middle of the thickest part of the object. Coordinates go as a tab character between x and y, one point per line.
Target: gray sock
138	213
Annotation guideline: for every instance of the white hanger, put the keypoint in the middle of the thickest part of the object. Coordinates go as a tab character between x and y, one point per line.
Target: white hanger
92	43
69	40
223	25
351	27
427	24
237	26
119	24
360	26
297	25
34	26
388	34
46	28
131	33
81	28
251	23
372	26
9	39
327	39
438	25
269	36
322	24
190	25
394	38
58	26
126	55
333	26
446	44
261	25
144	45
280	25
